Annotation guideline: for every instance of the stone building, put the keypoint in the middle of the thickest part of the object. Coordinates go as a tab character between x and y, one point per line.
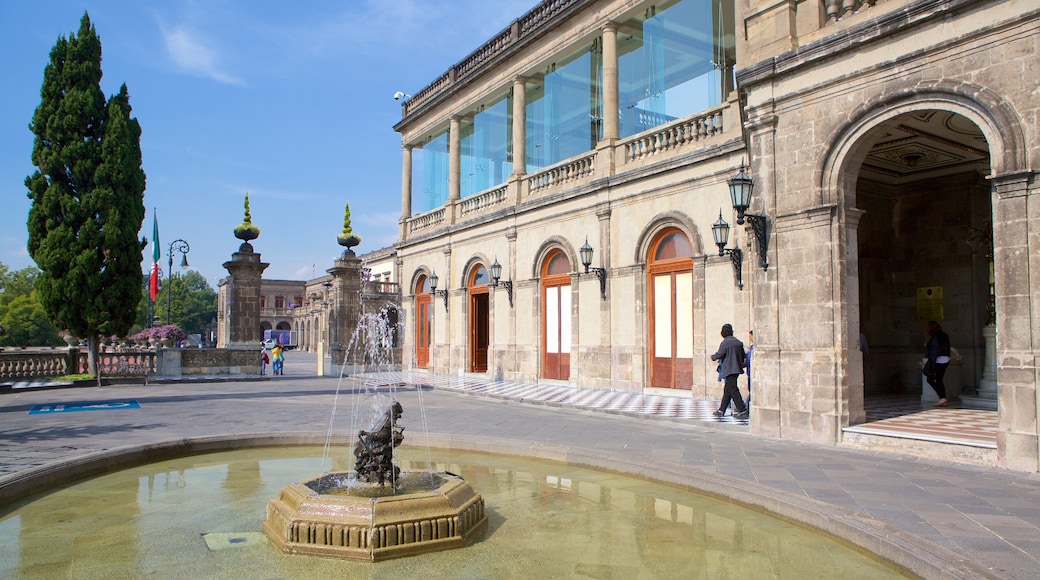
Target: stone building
309	307
890	149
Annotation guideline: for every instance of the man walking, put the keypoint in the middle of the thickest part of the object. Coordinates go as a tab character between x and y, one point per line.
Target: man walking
731	359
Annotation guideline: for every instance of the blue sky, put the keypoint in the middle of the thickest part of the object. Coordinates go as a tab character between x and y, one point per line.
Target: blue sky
290	101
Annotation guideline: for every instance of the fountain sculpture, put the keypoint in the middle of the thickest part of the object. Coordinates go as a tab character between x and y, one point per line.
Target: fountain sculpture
375	512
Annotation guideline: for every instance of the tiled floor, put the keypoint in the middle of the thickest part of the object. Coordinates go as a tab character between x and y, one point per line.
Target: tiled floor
909	418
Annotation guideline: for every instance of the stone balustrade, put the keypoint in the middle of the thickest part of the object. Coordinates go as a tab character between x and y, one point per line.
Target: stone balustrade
561	174
836	9
483	201
35	364
684	133
426	220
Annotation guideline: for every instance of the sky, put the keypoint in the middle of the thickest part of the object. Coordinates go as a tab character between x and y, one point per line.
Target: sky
291	102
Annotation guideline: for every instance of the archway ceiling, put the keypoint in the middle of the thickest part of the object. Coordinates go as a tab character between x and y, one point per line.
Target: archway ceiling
925	144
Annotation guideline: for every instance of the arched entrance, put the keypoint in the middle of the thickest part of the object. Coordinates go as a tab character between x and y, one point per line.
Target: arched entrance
671	310
920	215
479	319
556	322
423	320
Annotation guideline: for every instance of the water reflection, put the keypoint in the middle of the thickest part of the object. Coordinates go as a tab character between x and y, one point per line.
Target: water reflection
545	520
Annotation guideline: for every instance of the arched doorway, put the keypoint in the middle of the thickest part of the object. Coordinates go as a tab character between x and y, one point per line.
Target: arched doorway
556	321
479	319
423	321
671	310
922	223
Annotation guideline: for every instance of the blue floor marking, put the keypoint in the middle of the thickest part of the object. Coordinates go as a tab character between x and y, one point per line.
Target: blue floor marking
84	406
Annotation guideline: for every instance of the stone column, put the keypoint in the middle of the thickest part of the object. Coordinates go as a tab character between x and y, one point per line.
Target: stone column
610	82
345	310
406	190
454	159
246	270
519	126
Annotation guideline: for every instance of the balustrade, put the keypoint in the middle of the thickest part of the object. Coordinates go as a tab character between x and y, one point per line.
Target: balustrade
427	220
674	136
483	201
837	9
567	172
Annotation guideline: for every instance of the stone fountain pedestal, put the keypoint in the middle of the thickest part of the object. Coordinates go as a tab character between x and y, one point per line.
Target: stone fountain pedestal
303	521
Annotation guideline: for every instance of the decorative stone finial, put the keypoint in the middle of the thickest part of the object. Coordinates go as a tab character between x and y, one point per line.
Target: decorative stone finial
347	238
246	231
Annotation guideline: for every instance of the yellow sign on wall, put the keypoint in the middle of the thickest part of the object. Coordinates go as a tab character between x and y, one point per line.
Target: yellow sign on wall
930	303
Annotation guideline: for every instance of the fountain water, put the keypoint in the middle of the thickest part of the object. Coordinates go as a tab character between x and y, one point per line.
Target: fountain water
375	512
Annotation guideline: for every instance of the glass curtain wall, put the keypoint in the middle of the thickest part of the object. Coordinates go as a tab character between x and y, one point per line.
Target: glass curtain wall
564	108
486	137
674	59
430	174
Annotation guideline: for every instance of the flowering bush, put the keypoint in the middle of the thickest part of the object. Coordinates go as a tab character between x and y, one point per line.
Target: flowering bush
160	333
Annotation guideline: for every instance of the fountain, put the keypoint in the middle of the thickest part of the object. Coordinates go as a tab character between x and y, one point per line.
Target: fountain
375	512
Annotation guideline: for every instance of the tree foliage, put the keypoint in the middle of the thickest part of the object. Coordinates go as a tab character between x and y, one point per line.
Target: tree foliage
21	315
87	195
193	303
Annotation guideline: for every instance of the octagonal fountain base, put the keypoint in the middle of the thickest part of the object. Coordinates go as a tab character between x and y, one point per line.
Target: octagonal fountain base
350	521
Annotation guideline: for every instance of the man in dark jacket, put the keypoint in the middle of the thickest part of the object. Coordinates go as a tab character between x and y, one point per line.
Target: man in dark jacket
731	359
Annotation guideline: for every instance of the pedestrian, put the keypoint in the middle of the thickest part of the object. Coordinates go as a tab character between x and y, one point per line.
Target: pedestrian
731	359
264	359
747	364
937	354
277	356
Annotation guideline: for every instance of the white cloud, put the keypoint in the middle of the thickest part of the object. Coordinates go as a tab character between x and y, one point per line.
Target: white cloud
194	55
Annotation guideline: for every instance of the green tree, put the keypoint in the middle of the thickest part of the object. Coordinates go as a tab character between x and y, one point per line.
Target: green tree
21	314
193	303
87	195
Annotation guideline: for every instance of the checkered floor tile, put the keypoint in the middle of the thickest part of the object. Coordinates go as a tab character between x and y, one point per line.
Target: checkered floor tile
906	417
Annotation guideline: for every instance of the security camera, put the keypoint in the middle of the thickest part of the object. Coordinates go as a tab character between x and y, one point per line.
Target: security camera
399	95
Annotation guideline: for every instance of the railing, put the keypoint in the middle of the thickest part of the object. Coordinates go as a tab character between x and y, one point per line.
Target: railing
427	220
57	363
567	172
380	287
674	136
685	134
483	201
130	363
837	9
34	365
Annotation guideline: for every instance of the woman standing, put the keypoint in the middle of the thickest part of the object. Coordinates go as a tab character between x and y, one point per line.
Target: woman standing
937	352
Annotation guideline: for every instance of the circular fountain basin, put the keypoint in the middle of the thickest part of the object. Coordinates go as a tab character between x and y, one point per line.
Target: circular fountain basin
333	515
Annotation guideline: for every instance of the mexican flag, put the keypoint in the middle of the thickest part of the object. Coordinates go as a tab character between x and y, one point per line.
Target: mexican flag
153	282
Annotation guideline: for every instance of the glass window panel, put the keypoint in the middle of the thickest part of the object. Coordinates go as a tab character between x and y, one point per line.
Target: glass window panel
674	59
558	264
484	143
430	174
565	319
564	108
423	286
673	246
480	277
663	316
684	315
552	320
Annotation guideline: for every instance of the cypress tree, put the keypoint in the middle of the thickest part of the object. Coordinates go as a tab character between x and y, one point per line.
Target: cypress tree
87	195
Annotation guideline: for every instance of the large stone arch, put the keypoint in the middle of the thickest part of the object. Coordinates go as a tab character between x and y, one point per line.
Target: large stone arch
553	243
668	219
839	169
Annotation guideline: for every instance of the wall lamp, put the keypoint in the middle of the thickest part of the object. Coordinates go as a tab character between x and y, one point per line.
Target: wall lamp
586	260
496	273
740	187
435	292
720	230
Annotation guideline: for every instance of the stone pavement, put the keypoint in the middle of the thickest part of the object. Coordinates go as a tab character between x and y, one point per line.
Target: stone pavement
936	519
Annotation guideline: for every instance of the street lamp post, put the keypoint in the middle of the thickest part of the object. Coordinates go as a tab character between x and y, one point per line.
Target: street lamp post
182	247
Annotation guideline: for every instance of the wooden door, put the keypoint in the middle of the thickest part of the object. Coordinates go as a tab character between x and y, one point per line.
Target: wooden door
556	319
671	312
423	315
479	331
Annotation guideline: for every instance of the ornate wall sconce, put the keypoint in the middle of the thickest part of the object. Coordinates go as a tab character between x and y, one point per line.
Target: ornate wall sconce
720	230
586	260
741	186
496	273
435	292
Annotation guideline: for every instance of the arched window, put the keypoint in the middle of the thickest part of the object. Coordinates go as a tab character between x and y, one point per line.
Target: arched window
671	310
556	319
423	321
